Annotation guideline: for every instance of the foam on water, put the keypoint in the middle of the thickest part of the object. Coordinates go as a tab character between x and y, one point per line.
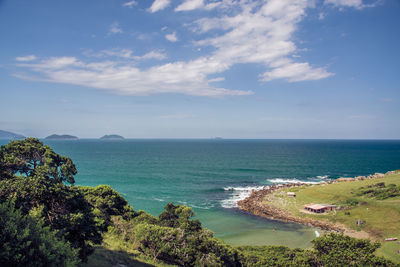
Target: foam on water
237	194
290	181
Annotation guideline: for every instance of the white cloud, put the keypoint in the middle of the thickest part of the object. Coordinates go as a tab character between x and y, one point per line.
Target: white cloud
153	55
115	28
358	4
122	53
26	58
159	5
218	79
261	35
243	32
190	5
130	4
171	37
126	54
296	72
125	78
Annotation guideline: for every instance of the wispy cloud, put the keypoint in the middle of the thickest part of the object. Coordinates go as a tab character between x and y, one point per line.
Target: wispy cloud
242	32
159	5
296	72
115	28
190	5
171	37
127	79
126	54
262	35
358	4
130	4
26	58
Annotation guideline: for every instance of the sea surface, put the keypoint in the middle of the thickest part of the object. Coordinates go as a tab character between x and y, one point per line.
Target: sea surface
212	175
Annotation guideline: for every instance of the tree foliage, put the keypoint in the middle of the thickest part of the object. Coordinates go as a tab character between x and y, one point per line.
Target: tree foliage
106	202
179	216
177	246
32	178
275	256
30	158
26	242
341	250
59	206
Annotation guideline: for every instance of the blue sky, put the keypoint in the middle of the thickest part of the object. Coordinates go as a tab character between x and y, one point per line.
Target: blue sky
201	68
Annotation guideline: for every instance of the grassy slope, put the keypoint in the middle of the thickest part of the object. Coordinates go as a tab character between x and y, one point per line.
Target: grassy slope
382	217
117	252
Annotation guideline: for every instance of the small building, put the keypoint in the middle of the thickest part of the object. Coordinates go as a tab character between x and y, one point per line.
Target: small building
291	194
319	208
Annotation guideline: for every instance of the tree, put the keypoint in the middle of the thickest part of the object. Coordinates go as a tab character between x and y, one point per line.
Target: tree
179	216
33	177
106	202
59	206
26	242
340	250
30	157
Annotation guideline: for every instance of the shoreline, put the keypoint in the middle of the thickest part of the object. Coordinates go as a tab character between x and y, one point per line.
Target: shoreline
255	205
252	204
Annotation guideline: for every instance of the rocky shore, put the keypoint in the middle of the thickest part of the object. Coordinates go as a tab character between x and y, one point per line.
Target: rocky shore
257	204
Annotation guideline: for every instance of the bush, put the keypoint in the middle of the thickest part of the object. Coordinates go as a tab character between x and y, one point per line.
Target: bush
341	250
59	206
26	242
176	246
106	202
275	256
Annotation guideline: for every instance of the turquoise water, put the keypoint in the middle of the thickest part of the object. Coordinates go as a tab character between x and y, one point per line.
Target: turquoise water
211	175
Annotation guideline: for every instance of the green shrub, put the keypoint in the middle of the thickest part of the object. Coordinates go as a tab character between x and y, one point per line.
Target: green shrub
106	202
26	242
341	250
61	207
275	256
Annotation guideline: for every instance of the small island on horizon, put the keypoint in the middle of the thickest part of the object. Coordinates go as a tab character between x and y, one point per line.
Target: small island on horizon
112	137
61	137
10	135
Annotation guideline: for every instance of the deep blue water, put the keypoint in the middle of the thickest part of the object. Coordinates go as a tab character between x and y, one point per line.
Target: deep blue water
210	175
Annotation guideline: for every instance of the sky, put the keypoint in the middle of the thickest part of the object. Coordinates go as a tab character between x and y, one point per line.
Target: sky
302	69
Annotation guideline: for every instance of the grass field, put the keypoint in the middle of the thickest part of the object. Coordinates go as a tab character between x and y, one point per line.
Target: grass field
381	217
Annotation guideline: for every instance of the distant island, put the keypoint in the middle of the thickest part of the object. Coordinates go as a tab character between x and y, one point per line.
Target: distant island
10	135
61	137
112	137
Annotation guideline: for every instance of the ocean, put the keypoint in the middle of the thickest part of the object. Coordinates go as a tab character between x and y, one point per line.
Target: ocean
212	175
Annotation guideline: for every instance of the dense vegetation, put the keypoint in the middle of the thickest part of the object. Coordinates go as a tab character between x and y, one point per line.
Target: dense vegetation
380	191
45	222
26	242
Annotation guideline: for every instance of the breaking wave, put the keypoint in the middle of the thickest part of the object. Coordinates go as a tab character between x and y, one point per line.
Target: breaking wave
288	181
237	194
